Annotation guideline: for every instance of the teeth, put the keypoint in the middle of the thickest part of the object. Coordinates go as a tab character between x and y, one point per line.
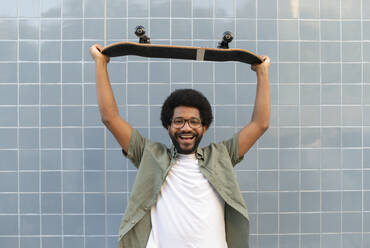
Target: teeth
186	136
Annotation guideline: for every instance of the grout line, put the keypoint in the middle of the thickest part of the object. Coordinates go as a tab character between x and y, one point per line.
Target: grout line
170	81
182	39
320	121
278	121
235	75
61	124
198	18
83	126
299	129
105	147
148	61
39	127
105	23
213	72
18	145
362	127
341	120
192	43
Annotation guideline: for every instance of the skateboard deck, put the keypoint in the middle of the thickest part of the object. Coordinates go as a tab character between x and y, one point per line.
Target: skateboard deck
181	52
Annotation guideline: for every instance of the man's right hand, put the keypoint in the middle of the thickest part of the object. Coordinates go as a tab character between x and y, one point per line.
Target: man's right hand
95	52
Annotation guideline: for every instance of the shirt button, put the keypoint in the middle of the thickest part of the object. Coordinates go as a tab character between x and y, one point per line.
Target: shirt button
133	222
146	209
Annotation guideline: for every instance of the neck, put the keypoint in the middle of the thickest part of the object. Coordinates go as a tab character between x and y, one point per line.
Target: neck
183	156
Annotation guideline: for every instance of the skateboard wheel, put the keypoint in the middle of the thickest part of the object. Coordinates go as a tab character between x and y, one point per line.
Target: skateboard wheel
139	31
227	36
226	39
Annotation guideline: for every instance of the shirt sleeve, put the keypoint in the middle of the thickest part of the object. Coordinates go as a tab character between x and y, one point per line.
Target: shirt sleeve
232	147
136	148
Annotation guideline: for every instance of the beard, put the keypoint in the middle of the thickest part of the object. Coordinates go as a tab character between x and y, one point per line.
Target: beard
197	137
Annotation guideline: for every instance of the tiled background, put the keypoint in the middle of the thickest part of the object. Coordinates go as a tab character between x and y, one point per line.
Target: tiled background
63	180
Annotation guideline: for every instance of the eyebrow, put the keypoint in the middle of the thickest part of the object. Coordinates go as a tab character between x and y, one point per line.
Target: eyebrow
174	117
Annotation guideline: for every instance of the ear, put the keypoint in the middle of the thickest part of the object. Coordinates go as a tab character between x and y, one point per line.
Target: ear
205	129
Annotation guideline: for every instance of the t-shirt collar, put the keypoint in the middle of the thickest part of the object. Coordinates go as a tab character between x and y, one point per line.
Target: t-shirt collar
198	152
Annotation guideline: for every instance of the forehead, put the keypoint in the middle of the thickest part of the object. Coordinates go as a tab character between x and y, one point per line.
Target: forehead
186	112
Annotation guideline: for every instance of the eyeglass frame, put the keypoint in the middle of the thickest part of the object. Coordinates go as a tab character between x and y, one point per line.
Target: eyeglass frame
188	121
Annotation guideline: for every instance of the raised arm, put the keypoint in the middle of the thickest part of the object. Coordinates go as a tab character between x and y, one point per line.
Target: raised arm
120	129
261	112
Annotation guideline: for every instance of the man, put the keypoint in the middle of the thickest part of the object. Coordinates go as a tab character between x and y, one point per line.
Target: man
184	196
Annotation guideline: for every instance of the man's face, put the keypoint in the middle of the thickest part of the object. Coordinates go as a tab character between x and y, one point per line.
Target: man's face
187	138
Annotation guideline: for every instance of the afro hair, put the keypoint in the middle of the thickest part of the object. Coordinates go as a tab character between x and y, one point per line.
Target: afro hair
188	98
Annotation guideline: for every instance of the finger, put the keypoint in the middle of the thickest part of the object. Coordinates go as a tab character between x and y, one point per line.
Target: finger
266	59
95	47
95	52
92	50
99	47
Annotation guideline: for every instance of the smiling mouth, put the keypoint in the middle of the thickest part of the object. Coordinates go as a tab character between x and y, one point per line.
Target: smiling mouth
186	137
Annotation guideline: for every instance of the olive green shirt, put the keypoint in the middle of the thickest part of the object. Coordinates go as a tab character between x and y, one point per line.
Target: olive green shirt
154	161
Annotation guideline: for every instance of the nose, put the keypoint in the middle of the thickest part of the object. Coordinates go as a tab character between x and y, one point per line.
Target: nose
186	126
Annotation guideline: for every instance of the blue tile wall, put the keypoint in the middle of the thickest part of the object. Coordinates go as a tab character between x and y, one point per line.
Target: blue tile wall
63	179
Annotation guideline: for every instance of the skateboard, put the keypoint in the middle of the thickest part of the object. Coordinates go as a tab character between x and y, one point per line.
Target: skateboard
145	49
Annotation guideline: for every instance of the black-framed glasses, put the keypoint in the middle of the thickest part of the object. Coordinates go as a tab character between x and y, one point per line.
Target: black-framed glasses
179	122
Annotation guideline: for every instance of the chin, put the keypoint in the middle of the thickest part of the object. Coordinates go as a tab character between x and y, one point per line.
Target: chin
186	151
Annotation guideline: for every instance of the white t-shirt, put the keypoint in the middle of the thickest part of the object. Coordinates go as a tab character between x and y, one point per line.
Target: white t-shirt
189	213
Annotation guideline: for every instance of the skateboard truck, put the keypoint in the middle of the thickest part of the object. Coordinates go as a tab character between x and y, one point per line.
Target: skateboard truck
140	32
226	39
